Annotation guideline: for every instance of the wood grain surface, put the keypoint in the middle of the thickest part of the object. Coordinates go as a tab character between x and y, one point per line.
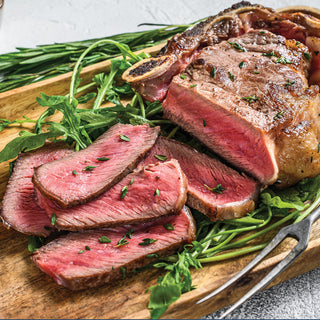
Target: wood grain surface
26	292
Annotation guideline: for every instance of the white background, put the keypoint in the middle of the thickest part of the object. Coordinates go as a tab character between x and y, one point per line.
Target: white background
27	23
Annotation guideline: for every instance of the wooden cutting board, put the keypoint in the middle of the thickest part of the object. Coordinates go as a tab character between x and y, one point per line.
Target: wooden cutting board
26	292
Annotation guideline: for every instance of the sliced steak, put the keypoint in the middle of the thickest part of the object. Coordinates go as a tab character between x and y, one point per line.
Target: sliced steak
213	188
151	77
88	173
154	191
19	208
252	93
89	259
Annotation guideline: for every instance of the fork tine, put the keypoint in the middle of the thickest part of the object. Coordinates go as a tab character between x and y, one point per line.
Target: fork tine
273	243
280	267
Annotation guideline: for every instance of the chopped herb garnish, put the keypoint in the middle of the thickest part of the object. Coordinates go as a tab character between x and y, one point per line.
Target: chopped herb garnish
298	43
251	98
122	242
131	182
112	268
307	55
87	248
123	271
129	233
278	115
213	72
147	241
231	76
104	239
204	122
269	54
256	71
103	159
152	255
53	219
81	251
157	192
241	64
311	159
168	226
124	137
283	60
289	83
217	189
183	76
89	168
262	32
74	172
193	85
160	157
316	52
237	46
123	192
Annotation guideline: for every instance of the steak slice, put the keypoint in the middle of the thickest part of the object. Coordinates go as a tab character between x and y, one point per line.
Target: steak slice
134	199
86	174
19	208
79	260
214	189
151	77
253	95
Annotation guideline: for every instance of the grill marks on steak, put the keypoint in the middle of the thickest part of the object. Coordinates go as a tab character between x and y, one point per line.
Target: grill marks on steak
19	206
153	82
86	174
104	262
249	110
140	203
202	172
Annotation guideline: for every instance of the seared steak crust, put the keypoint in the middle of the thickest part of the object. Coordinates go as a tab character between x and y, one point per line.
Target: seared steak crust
71	265
96	168
238	193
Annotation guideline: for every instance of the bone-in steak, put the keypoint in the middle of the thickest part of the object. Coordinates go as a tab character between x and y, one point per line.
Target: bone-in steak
214	189
253	95
94	257
88	173
154	191
19	208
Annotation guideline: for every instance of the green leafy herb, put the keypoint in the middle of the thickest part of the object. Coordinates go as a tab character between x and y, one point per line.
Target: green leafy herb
217	189
251	98
89	168
183	76
74	172
104	239
123	241
160	157
241	64
213	72
278	115
231	76
131	182
53	219
307	55
123	271
289	83
193	85
269	54
152	255
237	46
123	192
87	248
298	43
157	192
204	122
147	241
35	242
103	159
124	138
81	251
283	60
168	226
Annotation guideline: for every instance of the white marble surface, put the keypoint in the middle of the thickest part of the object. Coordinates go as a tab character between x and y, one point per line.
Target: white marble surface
27	23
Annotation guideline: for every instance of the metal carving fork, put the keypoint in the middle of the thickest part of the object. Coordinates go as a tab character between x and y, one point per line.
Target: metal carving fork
299	231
